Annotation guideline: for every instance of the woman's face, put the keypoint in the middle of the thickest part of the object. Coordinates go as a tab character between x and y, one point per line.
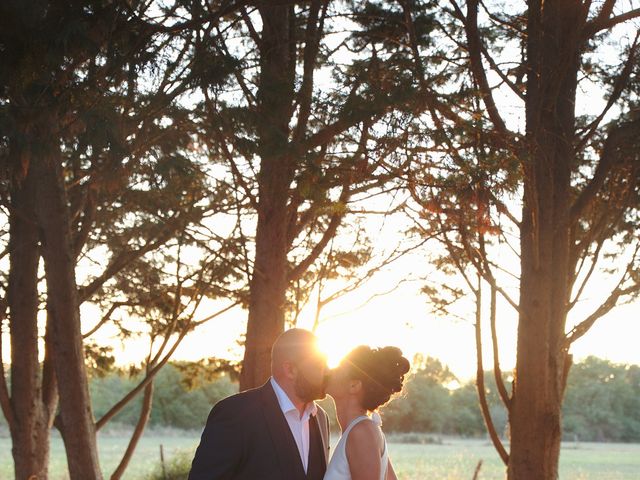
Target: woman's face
339	381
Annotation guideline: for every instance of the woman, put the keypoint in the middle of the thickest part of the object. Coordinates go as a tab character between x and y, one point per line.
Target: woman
365	380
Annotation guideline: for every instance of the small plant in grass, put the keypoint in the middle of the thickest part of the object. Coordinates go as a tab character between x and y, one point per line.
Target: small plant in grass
177	468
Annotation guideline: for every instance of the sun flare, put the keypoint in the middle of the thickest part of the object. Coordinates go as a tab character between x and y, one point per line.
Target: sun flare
335	346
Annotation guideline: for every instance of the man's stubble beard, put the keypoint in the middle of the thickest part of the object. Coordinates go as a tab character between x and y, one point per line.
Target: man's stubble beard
308	392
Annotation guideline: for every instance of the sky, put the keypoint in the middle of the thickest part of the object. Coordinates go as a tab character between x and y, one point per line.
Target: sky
403	318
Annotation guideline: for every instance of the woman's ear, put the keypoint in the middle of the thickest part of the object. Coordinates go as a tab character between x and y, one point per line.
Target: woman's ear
355	386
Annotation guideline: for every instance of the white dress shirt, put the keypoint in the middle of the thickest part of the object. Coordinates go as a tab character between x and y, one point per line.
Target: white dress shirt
299	426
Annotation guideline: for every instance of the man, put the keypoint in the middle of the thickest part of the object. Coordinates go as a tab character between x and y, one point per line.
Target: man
276	431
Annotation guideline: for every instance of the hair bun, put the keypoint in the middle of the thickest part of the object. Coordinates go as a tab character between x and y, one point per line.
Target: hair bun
381	370
393	367
396	359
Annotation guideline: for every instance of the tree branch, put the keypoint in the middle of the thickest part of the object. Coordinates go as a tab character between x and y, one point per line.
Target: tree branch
501	21
330	131
368	300
494	66
607	22
105	318
482	393
455	257
337	217
248	95
605	11
476	472
216	314
124	259
485	270
237	175
329	233
611	301
253	33
313	35
194	23
50	396
497	371
88	217
597	233
351	116
145	381
5	399
618	88
433	103
475	58
617	136
592	267
358	282
503	209
157	363
295	224
145	413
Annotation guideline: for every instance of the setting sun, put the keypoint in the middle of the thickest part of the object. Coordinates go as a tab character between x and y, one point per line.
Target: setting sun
335	348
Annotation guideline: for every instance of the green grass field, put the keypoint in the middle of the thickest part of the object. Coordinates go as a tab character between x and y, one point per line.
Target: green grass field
452	460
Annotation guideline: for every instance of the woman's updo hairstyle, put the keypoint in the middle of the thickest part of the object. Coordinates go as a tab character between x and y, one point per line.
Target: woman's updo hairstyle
381	371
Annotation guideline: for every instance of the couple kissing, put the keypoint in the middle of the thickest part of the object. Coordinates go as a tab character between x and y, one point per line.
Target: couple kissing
277	432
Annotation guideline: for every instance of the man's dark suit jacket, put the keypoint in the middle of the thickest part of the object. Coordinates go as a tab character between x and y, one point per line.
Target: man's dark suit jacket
247	437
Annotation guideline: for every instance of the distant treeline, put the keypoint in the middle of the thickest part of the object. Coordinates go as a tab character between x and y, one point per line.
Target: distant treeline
602	401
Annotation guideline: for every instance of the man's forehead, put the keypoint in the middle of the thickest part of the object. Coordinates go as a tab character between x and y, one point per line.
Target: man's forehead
306	350
297	345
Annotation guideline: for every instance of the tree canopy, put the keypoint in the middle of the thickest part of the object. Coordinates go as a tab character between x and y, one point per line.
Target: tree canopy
157	158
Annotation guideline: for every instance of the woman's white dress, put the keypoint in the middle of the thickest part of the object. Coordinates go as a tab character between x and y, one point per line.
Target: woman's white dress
338	468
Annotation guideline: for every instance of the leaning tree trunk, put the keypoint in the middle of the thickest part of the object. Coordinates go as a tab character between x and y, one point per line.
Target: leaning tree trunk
75	420
269	280
30	425
143	419
542	362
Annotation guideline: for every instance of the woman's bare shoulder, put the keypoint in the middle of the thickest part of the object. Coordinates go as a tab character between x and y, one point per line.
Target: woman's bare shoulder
365	435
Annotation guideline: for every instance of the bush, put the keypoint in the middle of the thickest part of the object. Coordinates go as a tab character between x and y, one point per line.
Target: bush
176	469
173	404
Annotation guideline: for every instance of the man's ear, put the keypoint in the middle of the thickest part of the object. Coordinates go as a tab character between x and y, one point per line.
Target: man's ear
289	369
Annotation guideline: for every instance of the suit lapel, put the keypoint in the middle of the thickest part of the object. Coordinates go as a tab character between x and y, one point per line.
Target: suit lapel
321	419
283	441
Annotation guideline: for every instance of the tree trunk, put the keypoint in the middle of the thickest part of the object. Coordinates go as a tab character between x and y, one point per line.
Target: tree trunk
75	419
545	286
30	433
143	419
269	280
